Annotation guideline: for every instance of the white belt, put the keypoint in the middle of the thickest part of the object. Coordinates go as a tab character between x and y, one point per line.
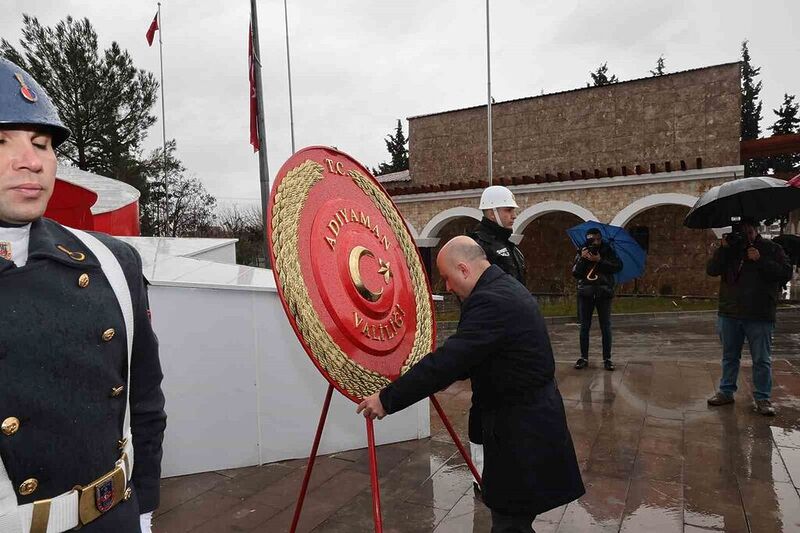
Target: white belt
80	505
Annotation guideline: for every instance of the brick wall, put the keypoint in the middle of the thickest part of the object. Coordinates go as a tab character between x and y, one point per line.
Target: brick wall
549	253
675	117
677	256
604	202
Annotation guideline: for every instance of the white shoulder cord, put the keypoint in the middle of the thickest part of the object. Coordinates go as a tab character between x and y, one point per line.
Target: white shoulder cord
116	278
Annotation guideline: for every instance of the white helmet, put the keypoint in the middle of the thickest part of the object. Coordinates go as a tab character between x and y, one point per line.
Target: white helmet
497	196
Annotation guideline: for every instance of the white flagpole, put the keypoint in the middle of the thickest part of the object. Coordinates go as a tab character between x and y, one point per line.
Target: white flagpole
489	153
289	72
163	120
263	166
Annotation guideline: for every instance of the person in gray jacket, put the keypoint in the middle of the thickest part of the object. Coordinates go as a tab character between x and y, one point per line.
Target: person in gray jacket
751	271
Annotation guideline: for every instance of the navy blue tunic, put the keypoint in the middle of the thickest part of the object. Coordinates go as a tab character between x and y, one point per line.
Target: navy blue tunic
58	372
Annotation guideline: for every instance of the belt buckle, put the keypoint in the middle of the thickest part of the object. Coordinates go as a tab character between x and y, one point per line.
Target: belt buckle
102	494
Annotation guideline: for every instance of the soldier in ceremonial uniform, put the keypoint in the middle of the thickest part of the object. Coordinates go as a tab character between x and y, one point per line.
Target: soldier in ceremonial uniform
494	231
81	405
493	234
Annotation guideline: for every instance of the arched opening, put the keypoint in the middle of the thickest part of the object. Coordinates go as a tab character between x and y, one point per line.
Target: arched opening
454	227
676	255
549	253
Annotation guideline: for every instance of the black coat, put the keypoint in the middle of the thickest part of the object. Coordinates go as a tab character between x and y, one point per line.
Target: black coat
500	251
57	372
503	346
749	289
603	286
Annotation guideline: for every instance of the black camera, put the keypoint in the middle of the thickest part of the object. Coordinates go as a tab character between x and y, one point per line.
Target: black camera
591	245
736	238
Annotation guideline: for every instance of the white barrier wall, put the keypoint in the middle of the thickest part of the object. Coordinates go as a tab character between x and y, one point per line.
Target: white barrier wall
240	389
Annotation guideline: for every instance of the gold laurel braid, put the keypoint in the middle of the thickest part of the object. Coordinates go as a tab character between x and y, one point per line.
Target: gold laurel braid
289	201
422	338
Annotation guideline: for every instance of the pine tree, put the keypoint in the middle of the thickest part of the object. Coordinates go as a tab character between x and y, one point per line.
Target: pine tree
100	94
751	105
396	145
751	111
787	124
659	71
600	77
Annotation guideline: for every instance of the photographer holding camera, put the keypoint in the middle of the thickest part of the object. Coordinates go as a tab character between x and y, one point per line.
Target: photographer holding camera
751	271
594	268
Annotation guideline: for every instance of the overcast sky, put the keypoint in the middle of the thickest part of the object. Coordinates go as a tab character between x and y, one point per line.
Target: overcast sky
359	65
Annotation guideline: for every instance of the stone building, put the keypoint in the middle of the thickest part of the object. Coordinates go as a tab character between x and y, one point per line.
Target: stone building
636	154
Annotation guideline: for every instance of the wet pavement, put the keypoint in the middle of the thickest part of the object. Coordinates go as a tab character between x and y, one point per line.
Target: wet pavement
655	458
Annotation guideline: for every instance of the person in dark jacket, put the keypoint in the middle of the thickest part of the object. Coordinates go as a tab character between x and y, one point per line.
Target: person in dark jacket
502	344
494	231
493	234
77	409
594	268
751	271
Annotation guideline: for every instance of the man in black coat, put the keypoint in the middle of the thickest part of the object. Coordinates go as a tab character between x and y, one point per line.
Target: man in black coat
503	346
66	377
594	269
751	271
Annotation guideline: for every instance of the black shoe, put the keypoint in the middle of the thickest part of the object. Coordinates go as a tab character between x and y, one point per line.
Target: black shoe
581	363
764	407
720	398
608	365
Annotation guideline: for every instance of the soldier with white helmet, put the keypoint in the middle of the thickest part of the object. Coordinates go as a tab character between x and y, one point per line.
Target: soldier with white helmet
493	235
494	231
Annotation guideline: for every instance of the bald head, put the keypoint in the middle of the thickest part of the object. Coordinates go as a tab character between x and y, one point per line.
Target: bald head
462	248
461	262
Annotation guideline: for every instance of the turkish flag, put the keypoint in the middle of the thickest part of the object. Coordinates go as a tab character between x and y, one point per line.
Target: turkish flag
151	31
251	60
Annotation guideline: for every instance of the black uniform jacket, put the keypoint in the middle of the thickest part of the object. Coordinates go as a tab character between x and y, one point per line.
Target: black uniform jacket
748	290
500	251
605	269
503	346
58	369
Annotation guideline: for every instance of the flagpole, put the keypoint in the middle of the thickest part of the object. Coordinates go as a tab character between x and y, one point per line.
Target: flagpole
263	166
489	97
289	72
163	119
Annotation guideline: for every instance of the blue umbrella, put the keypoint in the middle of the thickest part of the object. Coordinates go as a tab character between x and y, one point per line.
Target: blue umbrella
626	247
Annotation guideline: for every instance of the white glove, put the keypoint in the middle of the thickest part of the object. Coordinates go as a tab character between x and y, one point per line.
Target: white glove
145	522
476	454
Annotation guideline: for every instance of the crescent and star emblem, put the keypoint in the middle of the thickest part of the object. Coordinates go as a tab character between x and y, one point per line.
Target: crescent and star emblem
355	273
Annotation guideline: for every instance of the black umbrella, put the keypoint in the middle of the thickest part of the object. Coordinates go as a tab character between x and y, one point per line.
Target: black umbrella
757	198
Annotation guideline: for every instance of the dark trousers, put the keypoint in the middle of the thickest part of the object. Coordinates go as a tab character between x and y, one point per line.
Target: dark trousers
586	307
505	523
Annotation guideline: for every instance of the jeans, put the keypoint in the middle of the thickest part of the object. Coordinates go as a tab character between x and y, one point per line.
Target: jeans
506	523
586	307
732	333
